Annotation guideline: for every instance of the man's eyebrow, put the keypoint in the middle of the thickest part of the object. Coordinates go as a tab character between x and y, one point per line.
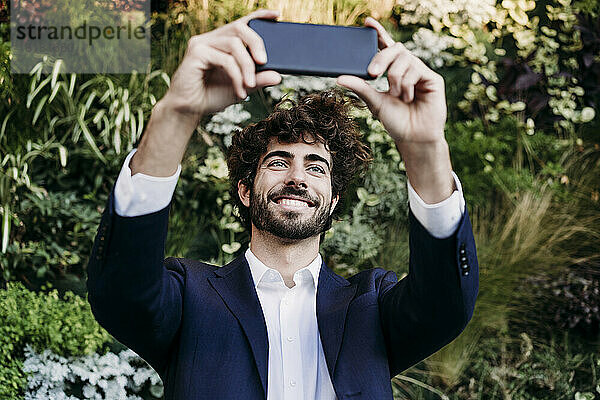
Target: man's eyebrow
287	154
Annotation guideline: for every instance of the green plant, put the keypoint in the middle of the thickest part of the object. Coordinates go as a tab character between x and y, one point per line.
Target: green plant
80	122
65	325
521	368
485	158
54	239
529	233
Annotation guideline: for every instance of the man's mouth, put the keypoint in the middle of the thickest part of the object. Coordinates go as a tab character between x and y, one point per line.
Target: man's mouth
293	202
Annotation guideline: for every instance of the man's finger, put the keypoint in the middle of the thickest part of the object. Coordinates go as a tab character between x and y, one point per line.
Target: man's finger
396	75
369	95
235	47
267	78
409	81
385	39
261	13
382	60
255	43
217	58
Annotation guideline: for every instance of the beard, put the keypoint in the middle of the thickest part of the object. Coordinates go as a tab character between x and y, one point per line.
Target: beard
288	224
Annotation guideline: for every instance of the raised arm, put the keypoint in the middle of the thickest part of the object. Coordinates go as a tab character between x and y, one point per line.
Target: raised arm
134	293
434	302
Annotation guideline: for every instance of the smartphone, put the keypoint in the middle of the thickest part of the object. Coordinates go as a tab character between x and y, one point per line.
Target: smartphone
311	49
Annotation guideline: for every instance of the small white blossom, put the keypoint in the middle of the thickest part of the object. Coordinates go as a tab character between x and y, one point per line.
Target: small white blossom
429	46
110	376
228	121
295	85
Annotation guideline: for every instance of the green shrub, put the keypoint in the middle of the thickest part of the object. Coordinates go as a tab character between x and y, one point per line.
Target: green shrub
55	238
496	160
64	325
521	368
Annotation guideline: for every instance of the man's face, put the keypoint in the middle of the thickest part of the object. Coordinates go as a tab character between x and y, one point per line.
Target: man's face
292	196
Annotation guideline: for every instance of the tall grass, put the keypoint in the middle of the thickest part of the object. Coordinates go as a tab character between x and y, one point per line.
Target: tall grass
538	231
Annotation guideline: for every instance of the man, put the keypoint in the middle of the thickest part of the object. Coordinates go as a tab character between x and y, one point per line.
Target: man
276	322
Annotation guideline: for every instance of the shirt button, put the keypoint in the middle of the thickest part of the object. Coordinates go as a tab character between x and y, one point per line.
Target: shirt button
292	383
290	338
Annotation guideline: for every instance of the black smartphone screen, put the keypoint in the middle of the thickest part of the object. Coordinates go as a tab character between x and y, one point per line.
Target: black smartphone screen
310	49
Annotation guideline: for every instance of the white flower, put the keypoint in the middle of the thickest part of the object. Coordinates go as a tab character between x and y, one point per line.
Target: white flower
429	46
110	376
228	121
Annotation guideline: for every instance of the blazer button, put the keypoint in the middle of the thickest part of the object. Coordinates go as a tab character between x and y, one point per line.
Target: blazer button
463	259
465	272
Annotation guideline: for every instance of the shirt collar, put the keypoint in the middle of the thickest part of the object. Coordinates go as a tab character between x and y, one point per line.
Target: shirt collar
258	269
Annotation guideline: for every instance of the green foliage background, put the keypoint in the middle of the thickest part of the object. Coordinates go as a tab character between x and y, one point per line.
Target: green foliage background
523	88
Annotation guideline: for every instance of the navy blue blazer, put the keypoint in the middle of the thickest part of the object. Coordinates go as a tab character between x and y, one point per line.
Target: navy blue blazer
201	327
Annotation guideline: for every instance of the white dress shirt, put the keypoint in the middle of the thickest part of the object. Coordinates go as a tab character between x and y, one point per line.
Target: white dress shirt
297	368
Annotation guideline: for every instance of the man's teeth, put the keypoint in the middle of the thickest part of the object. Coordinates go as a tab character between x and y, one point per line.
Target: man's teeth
294	203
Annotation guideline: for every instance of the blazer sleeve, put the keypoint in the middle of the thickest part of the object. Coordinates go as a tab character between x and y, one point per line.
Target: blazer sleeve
433	303
133	294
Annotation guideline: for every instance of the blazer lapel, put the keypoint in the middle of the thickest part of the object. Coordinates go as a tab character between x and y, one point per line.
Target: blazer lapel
333	296
235	286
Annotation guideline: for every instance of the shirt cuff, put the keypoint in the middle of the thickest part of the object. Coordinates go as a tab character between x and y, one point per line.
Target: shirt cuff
142	194
440	219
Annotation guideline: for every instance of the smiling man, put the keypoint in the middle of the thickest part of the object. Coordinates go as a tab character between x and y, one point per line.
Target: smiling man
292	212
276	322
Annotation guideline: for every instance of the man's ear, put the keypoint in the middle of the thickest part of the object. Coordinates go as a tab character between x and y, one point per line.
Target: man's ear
334	202
244	193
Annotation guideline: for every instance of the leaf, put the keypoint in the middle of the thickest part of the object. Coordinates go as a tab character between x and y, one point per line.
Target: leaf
372	200
62	153
584	396
519	16
5	227
55	72
91	98
166	78
119	118
362	194
117	141
89	138
127	112
141	122
132	130
72	84
231	248
3	128
54	92
38	109
32	95
98	116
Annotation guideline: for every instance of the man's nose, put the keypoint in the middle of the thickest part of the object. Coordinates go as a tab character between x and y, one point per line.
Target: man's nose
296	177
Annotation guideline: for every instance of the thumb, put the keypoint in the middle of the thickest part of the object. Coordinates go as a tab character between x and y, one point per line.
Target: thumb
368	94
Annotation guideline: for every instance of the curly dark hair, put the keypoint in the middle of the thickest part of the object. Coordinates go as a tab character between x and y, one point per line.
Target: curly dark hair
324	116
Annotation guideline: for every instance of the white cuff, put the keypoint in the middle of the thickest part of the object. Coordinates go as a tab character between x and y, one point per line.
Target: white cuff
142	194
440	219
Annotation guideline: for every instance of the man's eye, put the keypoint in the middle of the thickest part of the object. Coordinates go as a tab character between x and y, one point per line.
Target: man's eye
277	163
317	168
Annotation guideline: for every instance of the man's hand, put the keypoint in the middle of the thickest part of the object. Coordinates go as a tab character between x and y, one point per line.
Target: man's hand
413	111
216	71
414	107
